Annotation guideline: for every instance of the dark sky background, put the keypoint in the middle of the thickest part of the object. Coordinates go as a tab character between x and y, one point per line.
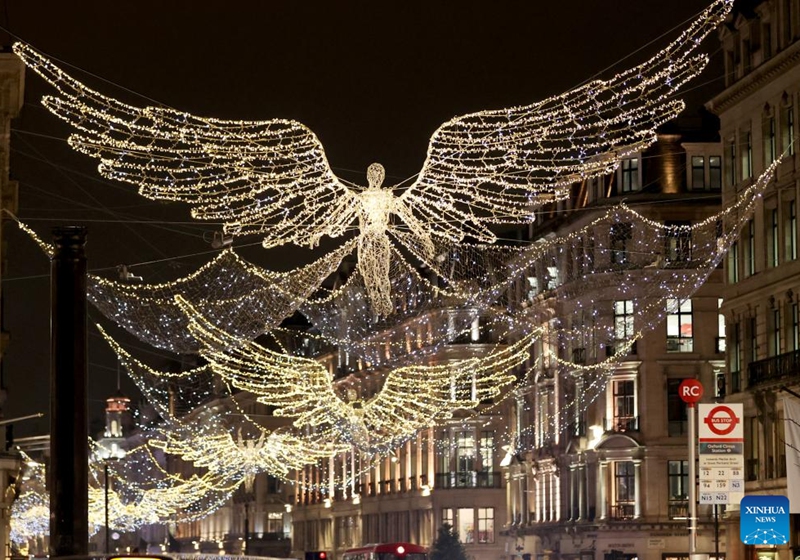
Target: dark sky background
372	79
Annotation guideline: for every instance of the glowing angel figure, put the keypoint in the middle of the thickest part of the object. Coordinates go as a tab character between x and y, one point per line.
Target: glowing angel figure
272	177
411	397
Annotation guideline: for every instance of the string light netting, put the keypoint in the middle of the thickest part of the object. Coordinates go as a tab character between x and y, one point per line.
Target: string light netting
236	295
273	178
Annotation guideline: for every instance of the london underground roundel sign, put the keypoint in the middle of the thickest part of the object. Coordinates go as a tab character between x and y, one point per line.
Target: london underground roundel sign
721	420
690	391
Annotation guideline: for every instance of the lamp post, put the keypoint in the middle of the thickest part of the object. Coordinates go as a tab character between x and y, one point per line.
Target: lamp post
106	454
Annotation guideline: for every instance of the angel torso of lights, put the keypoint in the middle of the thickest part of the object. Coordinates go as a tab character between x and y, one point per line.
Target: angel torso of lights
377	202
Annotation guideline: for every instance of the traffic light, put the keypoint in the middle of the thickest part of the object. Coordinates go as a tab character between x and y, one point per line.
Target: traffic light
317	555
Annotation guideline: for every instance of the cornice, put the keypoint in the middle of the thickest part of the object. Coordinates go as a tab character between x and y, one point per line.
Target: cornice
755	80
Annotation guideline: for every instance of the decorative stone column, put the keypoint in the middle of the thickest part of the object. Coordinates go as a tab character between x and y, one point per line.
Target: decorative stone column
637	488
602	505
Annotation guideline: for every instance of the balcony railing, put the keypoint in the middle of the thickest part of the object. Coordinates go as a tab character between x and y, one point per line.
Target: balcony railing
622	424
678	510
774	368
621	511
468	479
680	344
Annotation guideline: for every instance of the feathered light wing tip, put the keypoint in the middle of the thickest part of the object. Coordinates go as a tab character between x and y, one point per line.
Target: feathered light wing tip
499	165
269	177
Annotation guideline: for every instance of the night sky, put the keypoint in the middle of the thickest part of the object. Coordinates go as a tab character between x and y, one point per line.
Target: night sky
373	80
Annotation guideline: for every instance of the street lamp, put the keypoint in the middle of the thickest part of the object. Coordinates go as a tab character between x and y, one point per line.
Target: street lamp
108	453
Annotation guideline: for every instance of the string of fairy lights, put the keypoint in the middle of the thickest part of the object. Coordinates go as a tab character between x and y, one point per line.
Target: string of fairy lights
273	178
396	349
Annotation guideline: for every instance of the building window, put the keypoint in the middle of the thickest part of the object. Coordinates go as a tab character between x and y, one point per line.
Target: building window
715	172
775	343
787	132
698	172
752	435
770	143
733	263
623	320
795	327
621	235
676	409
720	343
790	231
678	480
624	405
788	32
680	336
732	176
753	339
466	525
487	451
750	249
678	242
465	458
747	156
448	517
630	174
624	497
735	357
486	525
774	239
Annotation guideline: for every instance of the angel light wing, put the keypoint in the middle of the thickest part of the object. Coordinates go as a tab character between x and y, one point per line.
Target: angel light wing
299	387
497	166
269	177
413	397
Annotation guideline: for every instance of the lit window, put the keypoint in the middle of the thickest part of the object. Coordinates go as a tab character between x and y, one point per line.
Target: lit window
624	490
680	336
630	174
466	525
623	320
485	525
720	349
624	405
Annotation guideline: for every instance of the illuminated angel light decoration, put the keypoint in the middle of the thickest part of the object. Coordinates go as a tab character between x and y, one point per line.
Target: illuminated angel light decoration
411	397
229	445
155	496
272	177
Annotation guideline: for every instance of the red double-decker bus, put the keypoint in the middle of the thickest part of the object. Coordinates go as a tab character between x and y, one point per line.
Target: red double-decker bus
387	551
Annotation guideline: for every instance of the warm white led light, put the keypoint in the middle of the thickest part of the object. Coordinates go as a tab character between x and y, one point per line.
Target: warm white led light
272	177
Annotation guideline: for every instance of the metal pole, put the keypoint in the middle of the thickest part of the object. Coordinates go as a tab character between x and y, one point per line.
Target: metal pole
69	449
716	532
692	413
246	529
105	479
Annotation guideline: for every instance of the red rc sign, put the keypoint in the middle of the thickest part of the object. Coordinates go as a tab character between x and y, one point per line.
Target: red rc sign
690	391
